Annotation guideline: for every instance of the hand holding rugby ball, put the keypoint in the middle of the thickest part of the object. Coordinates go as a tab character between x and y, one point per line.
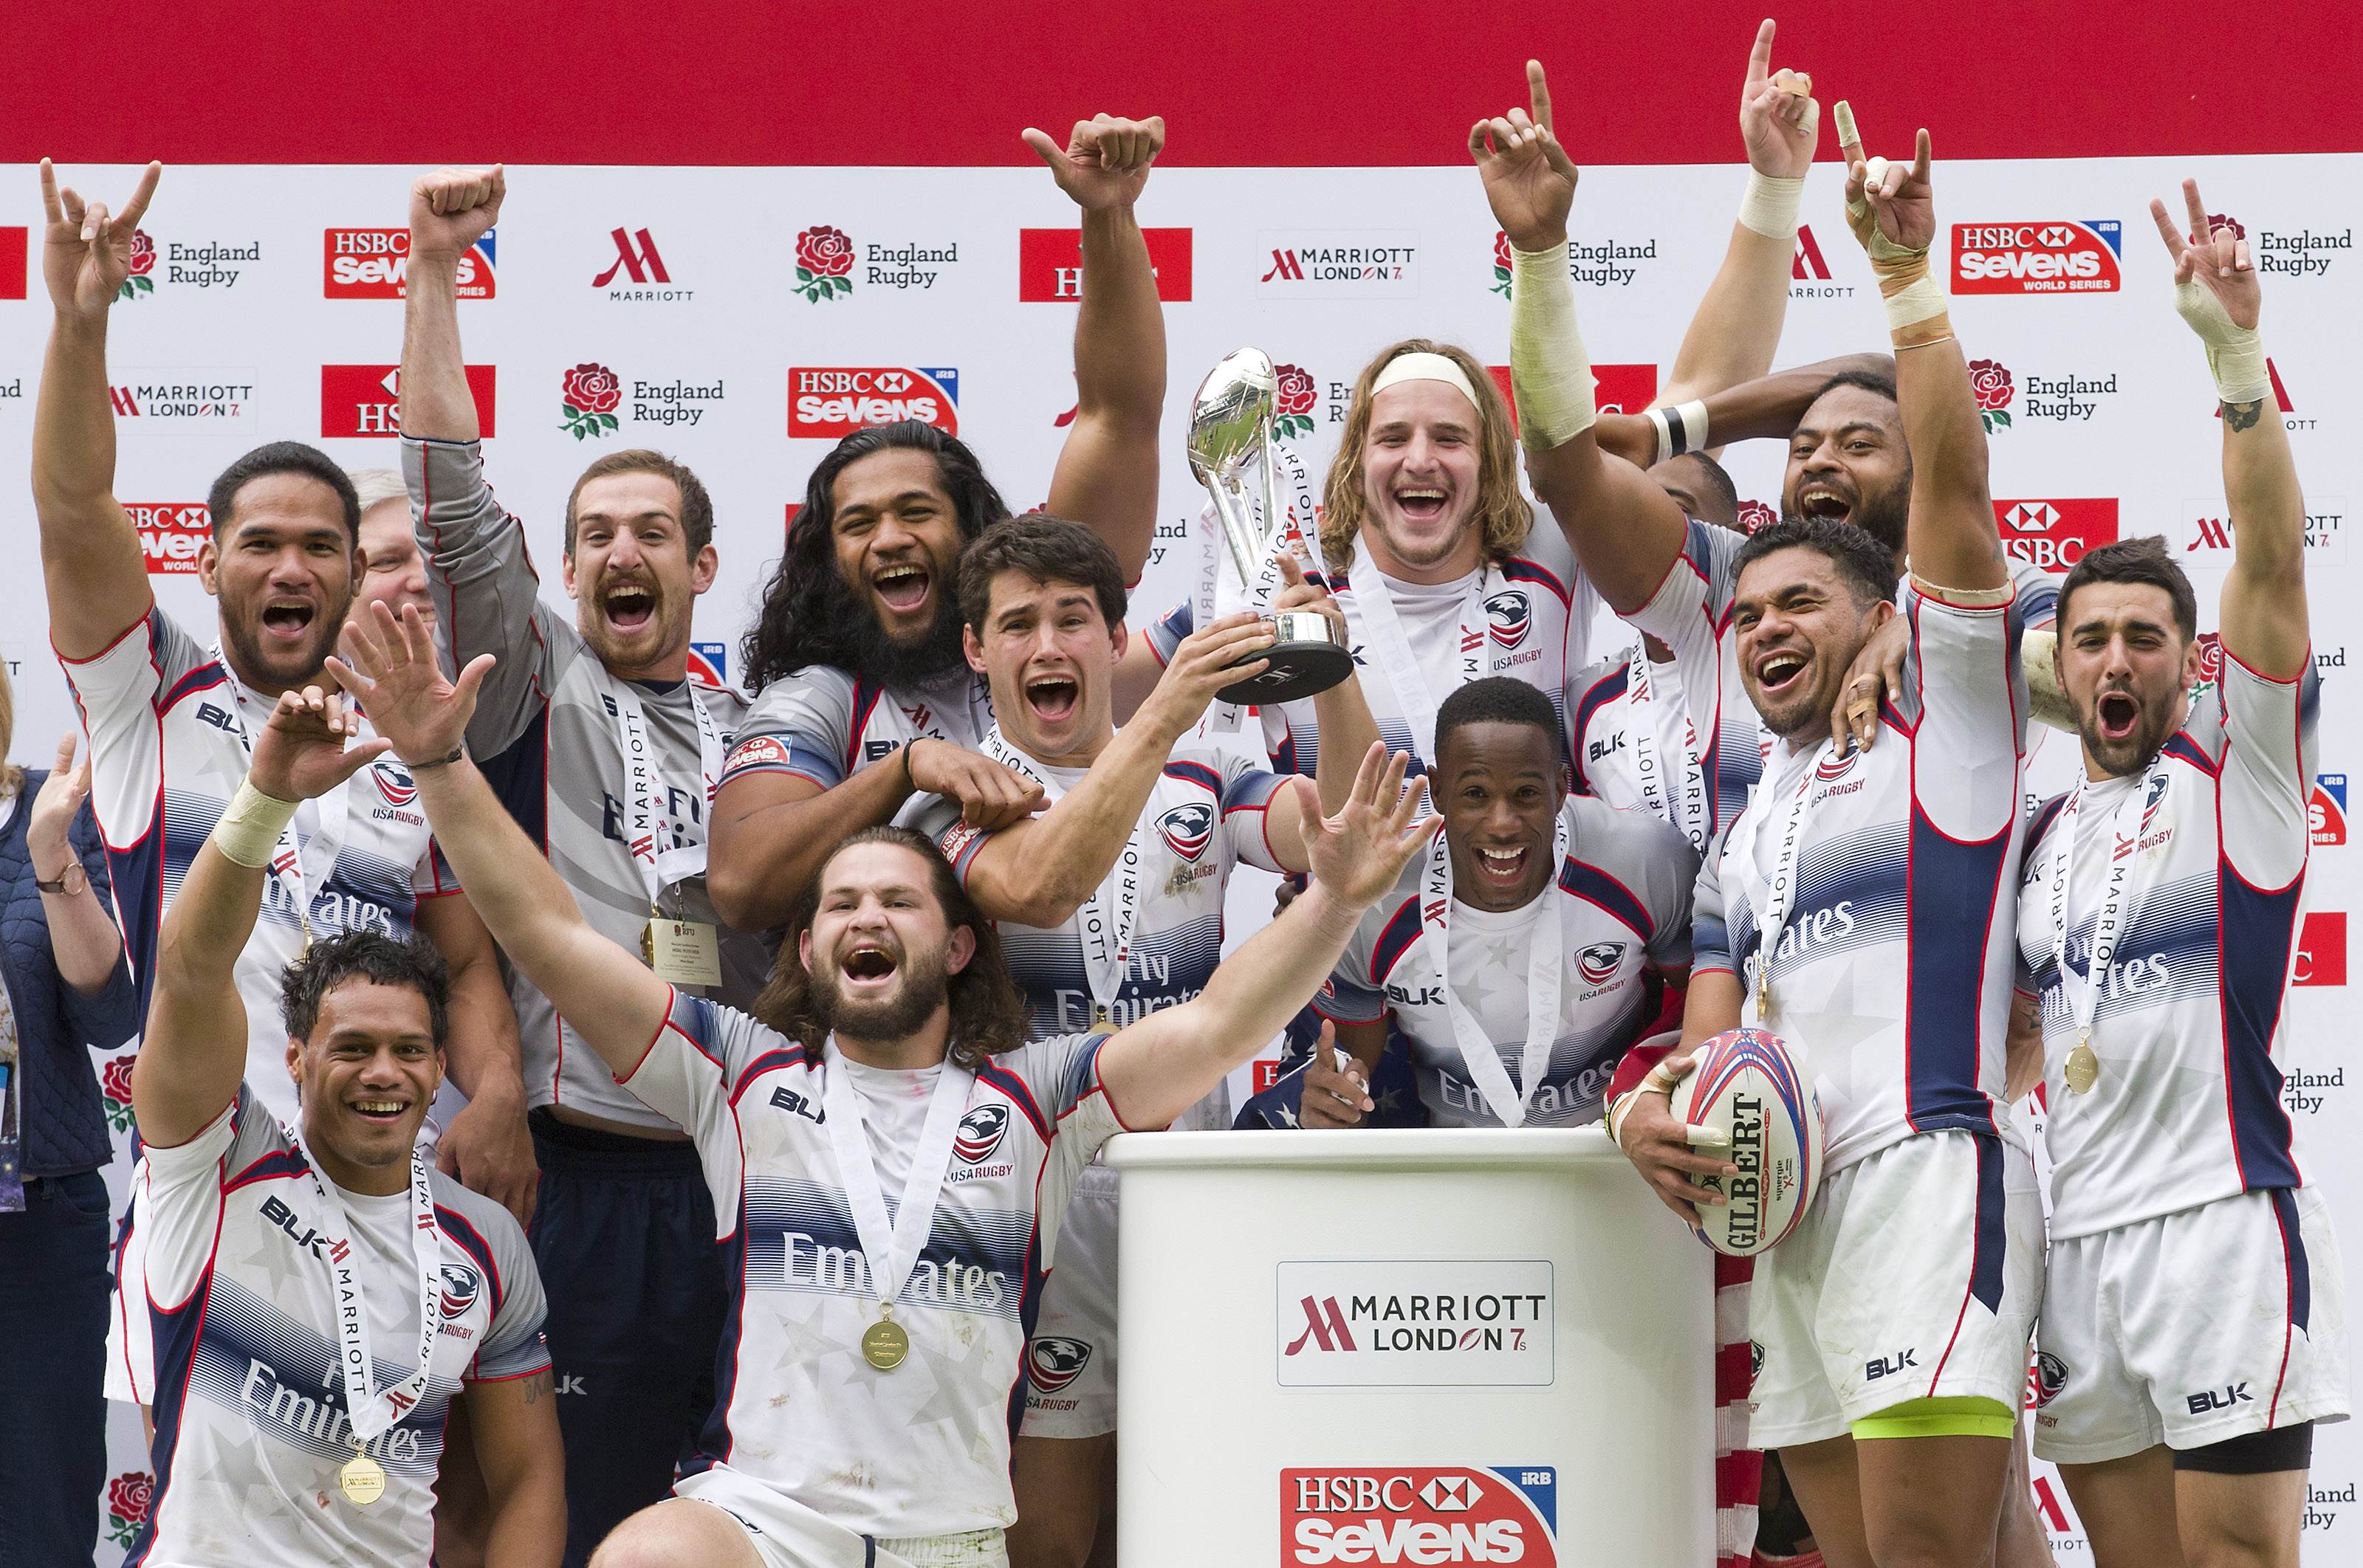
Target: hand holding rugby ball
1745	1086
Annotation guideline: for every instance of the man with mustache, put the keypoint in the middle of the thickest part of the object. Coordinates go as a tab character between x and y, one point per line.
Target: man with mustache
1893	1322
606	753
865	699
170	719
325	1300
2158	930
872	1352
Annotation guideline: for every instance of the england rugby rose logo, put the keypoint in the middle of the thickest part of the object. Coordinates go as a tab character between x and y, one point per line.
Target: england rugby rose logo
1754	515
128	1497
824	263
115	1083
1990	380
1502	263
143	262
593	395
2224	220
1296	397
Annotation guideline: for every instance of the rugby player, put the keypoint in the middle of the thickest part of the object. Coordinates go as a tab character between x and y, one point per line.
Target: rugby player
894	1061
856	655
1109	907
171	716
323	1299
1893	1321
2157	924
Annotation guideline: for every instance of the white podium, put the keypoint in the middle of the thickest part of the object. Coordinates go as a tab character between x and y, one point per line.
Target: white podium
1421	1346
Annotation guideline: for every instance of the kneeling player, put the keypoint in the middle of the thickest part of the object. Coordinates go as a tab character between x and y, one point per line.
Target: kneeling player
2192	1318
319	1292
868	1376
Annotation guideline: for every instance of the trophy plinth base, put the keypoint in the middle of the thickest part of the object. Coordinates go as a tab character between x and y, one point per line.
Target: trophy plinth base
1297	667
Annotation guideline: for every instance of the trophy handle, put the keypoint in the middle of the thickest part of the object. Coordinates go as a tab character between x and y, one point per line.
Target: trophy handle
1239	531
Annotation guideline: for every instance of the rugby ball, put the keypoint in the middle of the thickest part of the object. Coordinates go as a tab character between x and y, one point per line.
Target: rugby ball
1745	1084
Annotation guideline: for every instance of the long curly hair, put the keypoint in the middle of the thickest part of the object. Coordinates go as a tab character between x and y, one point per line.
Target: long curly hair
989	1013
1503	512
807	605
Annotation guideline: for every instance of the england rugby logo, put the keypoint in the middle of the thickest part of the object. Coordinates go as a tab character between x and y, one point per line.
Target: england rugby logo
980	1132
1052	1361
1507	617
1187	829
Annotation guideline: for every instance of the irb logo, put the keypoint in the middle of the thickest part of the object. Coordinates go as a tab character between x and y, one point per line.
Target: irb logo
2054	534
2327	812
171	533
2056	256
374	264
826	403
1437	1514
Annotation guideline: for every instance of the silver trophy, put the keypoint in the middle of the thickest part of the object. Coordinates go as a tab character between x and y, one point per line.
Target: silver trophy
1230	429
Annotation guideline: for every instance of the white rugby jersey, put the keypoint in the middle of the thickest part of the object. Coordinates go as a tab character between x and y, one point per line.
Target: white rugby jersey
824	725
1206	814
1528	616
548	733
1630	737
922	1450
251	1426
1890	975
1690	614
1624	893
169	729
2190	1022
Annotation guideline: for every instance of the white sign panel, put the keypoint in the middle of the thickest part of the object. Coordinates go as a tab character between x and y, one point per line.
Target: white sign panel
1376	1322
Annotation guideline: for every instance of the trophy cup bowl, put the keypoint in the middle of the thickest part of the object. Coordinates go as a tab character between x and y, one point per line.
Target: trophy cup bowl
1231	432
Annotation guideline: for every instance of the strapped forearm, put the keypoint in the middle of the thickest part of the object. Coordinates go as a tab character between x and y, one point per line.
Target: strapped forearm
1550	372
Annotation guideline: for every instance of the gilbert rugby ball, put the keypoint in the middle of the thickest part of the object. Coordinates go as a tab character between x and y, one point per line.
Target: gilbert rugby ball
1746	1085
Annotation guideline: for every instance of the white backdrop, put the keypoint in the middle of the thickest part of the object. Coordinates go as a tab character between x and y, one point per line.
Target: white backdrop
244	329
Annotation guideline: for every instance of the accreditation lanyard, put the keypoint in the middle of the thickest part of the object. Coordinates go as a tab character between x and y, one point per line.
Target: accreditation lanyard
1780	893
656	838
2083	992
299	870
373	1411
1649	761
1367	591
1105	920
1546	974
890	1248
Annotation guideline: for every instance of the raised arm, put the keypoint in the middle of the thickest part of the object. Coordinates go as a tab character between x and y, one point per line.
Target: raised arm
609	996
1163	1065
450	210
1952	539
194	1049
1107	475
91	561
1625	531
2262	611
1737	325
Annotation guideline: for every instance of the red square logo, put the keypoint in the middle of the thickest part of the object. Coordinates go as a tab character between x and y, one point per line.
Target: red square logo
12	264
2321	949
364	399
1050	263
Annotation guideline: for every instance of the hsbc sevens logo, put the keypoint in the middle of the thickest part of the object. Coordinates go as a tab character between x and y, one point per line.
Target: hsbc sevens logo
643	264
1325	1327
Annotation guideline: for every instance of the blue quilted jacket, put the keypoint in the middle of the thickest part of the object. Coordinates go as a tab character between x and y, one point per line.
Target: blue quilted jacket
64	1121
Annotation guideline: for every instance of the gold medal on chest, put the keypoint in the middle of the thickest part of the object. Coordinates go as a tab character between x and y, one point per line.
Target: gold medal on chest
885	1342
363	1480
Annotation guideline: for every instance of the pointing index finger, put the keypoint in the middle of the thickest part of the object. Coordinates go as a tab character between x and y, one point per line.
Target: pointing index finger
2201	232
1849	138
49	193
1759	57
1538	92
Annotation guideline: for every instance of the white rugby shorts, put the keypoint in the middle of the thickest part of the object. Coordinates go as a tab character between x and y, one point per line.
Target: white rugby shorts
1916	1273
1071	1360
2191	1328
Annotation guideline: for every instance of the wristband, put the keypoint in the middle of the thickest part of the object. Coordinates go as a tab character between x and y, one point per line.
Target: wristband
248	831
1963	598
1551	374
456	753
1771	203
1680	429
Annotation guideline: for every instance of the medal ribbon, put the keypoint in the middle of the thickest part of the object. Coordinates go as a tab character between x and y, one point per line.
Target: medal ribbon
1105	921
656	840
1367	599
1649	756
1546	974
372	1412
2083	993
891	1249
1781	892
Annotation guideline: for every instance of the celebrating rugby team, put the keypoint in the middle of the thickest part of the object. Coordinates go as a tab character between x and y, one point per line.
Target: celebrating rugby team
776	1035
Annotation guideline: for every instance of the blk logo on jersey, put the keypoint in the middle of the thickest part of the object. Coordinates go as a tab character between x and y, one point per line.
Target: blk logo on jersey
980	1132
460	1286
1053	1361
2059	256
2326	812
1187	830
1437	1514
1508	616
1598	964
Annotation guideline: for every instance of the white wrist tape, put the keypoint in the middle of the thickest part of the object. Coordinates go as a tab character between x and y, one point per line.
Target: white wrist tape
248	831
1551	374
1923	299
1681	428
2235	354
1771	203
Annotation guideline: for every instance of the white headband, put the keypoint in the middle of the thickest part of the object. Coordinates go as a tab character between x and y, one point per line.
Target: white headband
1425	367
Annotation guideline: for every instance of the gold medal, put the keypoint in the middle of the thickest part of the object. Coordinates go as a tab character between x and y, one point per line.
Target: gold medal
884	1343
2083	1070
1100	1019
649	942
1764	995
363	1480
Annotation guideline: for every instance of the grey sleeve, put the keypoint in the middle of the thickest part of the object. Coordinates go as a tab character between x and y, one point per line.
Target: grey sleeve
800	725
514	1346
